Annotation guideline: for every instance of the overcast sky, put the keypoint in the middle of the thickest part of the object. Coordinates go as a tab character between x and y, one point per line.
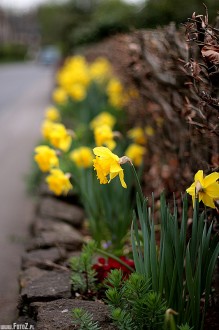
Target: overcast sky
27	4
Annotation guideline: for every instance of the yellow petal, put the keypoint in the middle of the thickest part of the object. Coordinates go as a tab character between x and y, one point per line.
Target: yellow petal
104	152
115	167
191	189
213	190
121	176
113	175
199	177
211	178
208	201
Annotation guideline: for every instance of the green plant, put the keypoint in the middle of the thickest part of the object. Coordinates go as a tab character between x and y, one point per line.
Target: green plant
83	276
180	269
108	208
84	319
185	327
132	303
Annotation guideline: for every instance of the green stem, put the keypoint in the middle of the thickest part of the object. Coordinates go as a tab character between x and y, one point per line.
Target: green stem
138	185
108	254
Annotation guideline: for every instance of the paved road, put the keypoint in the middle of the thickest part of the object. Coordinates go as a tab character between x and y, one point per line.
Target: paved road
25	91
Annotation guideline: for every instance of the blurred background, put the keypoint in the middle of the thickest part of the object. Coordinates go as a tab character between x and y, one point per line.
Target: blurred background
27	26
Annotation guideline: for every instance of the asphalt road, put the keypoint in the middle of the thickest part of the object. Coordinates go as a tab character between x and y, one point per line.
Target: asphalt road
25	91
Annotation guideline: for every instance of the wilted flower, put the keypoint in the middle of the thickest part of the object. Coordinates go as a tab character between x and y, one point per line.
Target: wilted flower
59	137
104	136
52	114
107	165
104	118
135	152
58	182
137	134
83	157
46	158
206	189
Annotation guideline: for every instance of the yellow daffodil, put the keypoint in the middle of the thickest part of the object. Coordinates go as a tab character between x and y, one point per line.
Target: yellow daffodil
137	134
46	158
115	93
74	71
100	70
107	165
149	131
104	118
58	182
104	136
77	92
59	137
52	114
83	157
135	152
46	128
59	96
205	188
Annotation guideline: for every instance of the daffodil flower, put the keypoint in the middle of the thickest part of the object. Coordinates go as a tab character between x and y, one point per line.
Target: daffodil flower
104	118
58	182
206	189
46	158
108	165
59	137
82	157
104	136
136	152
52	114
59	96
137	134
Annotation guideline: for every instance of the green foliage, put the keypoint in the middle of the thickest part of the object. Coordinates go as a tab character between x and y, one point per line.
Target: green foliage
12	52
132	303
181	269
185	327
75	23
84	319
161	12
83	276
52	19
108	207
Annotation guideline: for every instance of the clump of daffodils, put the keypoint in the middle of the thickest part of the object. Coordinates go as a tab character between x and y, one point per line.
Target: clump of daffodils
76	80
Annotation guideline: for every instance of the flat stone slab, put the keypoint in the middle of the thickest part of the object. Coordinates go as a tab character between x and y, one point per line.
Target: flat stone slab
50	286
30	274
52	233
58	314
42	258
54	208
